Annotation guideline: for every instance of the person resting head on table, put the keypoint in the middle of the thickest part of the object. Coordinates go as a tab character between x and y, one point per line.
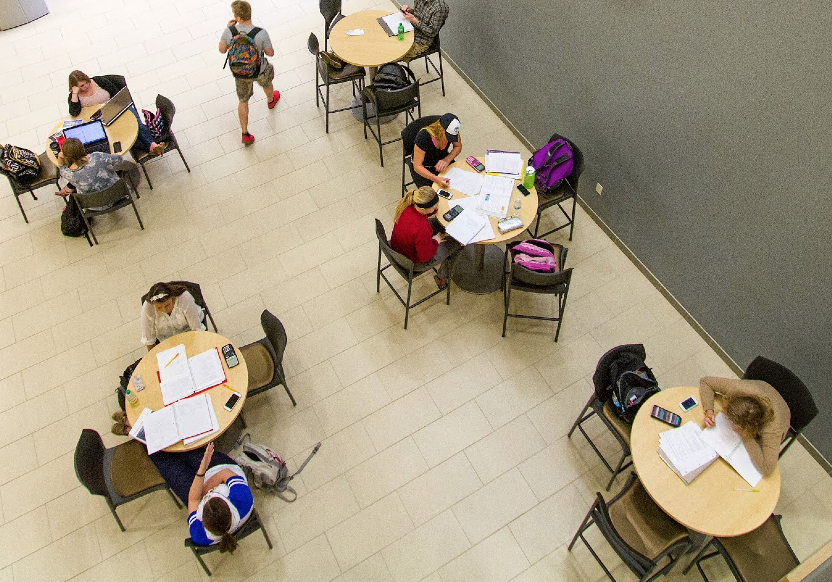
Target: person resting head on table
215	489
437	146
419	236
168	310
86	92
87	173
757	413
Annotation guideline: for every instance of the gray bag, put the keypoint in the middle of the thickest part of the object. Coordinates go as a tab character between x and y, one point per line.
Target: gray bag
265	469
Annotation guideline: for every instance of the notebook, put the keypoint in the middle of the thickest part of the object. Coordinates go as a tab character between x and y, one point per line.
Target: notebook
181	376
182	420
118	104
92	135
390	23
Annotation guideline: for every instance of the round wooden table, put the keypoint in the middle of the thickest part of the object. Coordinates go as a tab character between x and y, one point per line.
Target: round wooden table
711	504
124	130
478	268
371	49
195	342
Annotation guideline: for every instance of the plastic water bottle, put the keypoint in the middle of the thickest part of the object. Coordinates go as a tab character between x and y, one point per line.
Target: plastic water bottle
401	31
518	203
131	397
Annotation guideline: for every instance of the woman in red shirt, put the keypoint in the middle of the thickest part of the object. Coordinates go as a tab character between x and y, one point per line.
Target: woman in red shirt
419	236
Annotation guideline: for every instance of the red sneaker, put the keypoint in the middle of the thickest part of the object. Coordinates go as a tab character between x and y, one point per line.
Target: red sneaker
248	139
275	99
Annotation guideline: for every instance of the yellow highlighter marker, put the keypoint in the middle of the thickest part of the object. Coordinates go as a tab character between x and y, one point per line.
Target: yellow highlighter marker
748	490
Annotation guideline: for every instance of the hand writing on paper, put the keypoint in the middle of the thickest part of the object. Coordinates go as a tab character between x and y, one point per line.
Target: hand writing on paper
710	420
444	182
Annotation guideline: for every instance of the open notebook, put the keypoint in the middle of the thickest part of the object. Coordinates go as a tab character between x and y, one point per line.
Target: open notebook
180	376
182	420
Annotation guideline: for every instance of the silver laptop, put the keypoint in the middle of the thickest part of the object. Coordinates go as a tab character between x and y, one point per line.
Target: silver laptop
118	104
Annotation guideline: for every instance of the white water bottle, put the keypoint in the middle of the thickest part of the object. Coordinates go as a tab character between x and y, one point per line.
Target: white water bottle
518	203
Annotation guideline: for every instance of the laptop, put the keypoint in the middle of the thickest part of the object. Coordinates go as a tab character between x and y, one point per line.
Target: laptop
92	135
117	105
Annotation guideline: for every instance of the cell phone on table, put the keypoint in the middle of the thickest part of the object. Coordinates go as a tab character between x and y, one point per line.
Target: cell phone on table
475	163
523	190
444	194
452	213
688	403
665	415
116	147
230	355
232	401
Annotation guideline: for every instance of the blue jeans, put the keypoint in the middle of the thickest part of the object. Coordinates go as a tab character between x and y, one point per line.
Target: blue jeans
145	137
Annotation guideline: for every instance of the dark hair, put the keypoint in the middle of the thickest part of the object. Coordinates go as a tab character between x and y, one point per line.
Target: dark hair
73	152
163	291
76	77
750	413
216	517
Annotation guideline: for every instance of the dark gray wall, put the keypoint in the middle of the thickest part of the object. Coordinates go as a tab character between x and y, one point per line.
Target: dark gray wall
709	127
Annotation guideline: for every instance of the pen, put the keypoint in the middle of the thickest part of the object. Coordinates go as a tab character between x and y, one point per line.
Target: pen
748	490
171	360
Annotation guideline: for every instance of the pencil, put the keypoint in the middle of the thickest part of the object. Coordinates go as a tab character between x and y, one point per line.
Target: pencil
171	360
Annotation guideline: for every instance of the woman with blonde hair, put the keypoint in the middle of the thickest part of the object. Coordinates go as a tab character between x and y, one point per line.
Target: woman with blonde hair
757	413
419	236
436	147
91	172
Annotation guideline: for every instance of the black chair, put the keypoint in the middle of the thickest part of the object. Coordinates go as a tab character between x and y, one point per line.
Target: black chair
48	175
522	279
409	142
567	190
763	555
168	110
196	292
109	200
251	525
120	474
404	267
264	358
326	76
797	396
434	49
331	11
390	102
638	530
600	405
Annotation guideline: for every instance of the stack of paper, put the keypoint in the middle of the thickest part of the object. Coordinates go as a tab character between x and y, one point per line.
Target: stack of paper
496	195
509	164
466	226
181	420
728	444
180	376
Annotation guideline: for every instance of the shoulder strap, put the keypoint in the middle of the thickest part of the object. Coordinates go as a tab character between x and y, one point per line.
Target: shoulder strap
233	30
253	32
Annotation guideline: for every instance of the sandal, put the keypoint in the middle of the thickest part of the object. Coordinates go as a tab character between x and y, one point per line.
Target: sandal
120	429
120	416
159	149
441	283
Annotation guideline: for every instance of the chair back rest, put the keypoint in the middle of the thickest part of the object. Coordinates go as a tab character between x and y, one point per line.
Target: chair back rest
89	462
106	197
577	161
413	128
275	333
398	99
539	278
797	396
168	110
400	262
329	10
601	378
338	17
762	555
637	562
313	45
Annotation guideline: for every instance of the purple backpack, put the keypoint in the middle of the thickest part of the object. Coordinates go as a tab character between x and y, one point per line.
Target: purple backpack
552	163
535	255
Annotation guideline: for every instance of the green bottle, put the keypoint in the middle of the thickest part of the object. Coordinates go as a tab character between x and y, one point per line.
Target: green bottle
401	31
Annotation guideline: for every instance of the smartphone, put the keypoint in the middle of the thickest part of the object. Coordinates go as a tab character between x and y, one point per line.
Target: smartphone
688	403
523	190
232	401
116	147
452	213
230	355
665	416
444	194
475	163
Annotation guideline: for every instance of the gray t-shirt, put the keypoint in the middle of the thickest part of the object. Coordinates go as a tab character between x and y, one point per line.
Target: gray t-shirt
261	40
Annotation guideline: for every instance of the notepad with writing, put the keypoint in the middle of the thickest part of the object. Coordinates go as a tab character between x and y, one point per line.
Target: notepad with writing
181	420
728	444
466	226
390	23
180	376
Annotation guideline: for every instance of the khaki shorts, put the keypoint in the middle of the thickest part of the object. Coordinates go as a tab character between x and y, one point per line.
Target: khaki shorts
414	52
245	87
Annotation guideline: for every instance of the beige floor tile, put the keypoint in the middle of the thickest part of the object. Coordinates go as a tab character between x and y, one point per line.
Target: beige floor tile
554	417
513	397
462	383
373	569
450	434
321	344
11	391
24	536
54	371
32	415
386	472
409	373
338	453
559	565
504	448
496	559
552	468
438	489
37	487
60	560
351	404
400	418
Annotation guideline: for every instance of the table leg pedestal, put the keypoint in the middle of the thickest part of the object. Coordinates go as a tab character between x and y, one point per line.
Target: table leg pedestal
478	269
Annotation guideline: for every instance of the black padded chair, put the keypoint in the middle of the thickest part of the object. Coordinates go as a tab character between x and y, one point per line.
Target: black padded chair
435	49
408	271
326	76
390	102
109	200
196	292
568	190
48	175
251	525
638	530
763	555
600	405
120	474
264	358
521	279
331	11
409	142
797	396
168	110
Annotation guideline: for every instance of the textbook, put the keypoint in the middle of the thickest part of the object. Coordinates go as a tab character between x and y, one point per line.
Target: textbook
181	376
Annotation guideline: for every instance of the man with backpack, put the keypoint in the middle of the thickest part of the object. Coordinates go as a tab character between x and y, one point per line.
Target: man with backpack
247	47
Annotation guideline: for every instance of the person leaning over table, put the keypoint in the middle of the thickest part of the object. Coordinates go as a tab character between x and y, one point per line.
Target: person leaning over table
757	413
169	309
215	489
427	18
419	236
86	92
93	172
436	147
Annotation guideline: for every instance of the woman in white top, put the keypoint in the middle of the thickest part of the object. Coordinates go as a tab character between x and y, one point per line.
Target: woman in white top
169	310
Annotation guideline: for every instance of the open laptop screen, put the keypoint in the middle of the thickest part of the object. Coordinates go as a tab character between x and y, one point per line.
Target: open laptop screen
87	132
113	108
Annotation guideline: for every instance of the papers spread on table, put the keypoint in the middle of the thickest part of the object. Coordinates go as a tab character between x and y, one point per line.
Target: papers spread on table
215	427
181	420
495	195
390	23
469	183
180	376
355	32
688	450
137	431
506	163
466	226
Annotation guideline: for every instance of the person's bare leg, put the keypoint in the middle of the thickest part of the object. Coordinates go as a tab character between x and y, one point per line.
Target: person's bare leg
269	91
242	112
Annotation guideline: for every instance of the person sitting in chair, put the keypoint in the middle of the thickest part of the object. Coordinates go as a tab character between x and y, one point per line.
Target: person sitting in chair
757	413
91	172
427	17
437	146
168	310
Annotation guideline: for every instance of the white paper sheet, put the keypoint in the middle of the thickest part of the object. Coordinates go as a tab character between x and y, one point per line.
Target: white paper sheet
685	448
193	415
728	444
356	32
466	226
160	429
177	388
393	20
172	363
215	427
486	233
206	369
137	431
506	163
469	183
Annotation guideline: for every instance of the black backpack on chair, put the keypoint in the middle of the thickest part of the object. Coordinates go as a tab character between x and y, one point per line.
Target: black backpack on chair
632	384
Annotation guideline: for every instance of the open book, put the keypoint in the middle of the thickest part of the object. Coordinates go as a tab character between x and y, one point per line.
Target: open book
180	376
181	420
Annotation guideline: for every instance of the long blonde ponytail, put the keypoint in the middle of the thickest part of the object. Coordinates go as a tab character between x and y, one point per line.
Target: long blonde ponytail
419	196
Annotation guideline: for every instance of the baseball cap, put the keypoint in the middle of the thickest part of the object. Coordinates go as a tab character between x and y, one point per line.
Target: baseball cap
450	123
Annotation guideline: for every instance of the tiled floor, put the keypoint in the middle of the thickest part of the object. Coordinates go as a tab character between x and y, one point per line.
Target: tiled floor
444	452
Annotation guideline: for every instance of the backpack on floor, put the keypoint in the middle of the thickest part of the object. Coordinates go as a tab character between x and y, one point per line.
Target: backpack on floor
264	469
552	164
391	77
243	57
23	165
72	223
535	255
632	384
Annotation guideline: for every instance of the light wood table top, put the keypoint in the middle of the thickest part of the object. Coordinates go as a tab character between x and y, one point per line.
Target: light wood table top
527	211
195	342
710	504
371	49
125	129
